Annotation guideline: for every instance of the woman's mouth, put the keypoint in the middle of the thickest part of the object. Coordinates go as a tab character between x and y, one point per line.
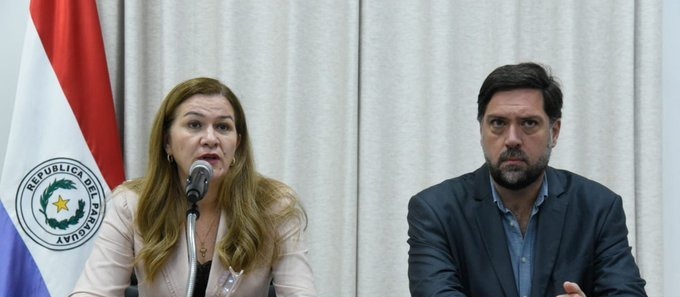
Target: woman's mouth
210	158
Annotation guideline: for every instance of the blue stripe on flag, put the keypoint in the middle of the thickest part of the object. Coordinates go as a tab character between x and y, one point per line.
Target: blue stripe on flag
19	276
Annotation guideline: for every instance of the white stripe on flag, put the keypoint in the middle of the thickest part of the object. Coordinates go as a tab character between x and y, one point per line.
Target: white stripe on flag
48	171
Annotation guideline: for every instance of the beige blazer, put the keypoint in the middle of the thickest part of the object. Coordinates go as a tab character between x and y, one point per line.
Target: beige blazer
108	269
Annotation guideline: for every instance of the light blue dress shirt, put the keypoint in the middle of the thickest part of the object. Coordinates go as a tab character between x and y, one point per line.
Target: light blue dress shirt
521	248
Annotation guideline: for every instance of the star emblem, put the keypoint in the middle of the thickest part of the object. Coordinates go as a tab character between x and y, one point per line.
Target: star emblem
61	204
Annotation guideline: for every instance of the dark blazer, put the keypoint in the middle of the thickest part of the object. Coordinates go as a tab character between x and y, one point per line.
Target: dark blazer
457	244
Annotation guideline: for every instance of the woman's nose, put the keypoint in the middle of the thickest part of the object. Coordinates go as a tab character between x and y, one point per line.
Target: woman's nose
209	137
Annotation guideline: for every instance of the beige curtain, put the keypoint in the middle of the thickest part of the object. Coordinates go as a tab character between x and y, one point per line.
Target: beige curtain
360	104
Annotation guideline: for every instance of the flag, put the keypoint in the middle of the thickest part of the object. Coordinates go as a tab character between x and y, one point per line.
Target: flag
63	153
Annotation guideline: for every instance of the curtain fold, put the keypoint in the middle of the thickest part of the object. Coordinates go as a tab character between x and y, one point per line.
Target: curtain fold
274	55
360	104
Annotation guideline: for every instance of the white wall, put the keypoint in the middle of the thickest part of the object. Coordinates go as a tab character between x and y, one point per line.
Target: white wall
13	16
671	144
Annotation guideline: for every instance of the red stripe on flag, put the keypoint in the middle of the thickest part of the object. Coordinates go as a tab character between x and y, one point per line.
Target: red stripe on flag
71	35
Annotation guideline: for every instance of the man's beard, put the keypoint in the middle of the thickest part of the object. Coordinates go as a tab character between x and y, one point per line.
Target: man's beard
514	177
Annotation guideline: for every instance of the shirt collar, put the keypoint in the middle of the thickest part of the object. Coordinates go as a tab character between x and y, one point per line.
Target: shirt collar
542	194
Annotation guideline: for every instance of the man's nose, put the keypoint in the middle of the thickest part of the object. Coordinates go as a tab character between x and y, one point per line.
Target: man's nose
514	136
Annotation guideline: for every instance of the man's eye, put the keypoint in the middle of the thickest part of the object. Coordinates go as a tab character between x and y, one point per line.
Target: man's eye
530	123
496	123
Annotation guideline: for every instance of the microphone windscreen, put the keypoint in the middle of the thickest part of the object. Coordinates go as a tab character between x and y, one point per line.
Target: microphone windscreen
201	164
200	173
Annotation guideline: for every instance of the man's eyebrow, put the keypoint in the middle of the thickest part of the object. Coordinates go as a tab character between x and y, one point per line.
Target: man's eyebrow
528	116
495	116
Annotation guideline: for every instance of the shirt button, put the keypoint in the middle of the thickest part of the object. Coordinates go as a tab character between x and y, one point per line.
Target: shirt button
524	259
512	224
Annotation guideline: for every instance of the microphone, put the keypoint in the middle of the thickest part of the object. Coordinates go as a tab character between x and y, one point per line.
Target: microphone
200	173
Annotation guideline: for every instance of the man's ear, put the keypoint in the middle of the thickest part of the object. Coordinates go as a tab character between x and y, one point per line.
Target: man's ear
481	133
555	132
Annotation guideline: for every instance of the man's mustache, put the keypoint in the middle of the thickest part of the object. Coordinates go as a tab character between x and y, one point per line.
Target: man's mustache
513	153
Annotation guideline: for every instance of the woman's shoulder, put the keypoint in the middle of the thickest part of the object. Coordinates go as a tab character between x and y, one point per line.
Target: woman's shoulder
125	196
276	191
127	189
281	201
270	184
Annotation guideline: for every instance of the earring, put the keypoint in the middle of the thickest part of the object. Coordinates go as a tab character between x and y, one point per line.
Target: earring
170	158
233	162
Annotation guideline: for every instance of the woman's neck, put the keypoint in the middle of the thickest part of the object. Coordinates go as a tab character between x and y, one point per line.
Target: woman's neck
210	201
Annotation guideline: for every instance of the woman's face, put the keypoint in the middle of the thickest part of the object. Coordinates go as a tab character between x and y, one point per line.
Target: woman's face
204	128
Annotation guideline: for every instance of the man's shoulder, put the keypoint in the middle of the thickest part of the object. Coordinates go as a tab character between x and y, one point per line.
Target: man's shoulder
573	179
457	186
575	184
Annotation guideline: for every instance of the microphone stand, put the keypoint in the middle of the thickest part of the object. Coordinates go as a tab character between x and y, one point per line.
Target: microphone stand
192	216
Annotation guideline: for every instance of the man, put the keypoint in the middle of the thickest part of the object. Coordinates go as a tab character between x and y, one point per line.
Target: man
516	227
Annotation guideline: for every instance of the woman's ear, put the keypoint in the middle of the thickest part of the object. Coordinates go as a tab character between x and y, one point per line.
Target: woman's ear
167	147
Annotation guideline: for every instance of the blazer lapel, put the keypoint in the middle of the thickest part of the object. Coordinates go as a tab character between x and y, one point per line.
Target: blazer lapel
489	222
551	220
213	287
176	271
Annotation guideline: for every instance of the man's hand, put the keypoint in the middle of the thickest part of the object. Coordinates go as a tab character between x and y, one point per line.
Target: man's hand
572	290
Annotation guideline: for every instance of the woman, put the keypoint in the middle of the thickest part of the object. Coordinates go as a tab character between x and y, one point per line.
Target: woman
250	228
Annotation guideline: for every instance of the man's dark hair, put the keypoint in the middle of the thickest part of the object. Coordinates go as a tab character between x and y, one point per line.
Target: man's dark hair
522	76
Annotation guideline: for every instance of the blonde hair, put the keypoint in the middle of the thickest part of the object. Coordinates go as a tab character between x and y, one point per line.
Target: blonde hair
255	205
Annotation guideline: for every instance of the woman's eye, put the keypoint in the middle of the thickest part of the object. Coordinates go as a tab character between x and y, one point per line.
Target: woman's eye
194	124
223	127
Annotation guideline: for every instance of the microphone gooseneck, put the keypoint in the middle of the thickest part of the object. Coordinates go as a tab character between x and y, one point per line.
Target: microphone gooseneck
200	173
192	216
